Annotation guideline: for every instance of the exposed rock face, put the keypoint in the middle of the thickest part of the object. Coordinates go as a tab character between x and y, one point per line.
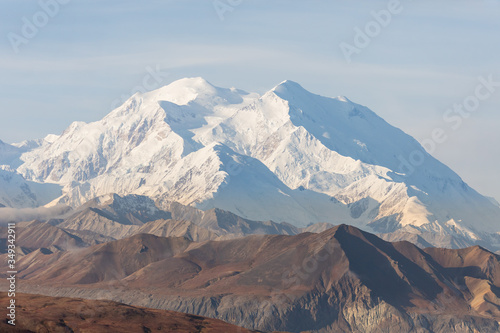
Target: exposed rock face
340	280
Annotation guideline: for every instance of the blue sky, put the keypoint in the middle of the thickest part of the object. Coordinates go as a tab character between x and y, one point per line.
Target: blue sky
92	53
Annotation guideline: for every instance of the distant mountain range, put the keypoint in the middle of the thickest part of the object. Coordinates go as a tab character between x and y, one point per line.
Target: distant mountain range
286	156
340	280
114	217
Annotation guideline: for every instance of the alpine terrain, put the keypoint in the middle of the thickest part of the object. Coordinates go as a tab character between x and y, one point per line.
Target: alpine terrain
339	280
286	156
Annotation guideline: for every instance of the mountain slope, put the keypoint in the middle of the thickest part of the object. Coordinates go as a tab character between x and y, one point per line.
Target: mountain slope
34	235
117	217
103	262
49	314
342	279
288	155
15	190
176	228
112	215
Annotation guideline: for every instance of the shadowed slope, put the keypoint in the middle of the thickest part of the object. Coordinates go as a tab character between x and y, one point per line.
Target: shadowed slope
342	279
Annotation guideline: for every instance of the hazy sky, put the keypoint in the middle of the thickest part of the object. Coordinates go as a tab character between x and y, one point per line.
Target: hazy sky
85	56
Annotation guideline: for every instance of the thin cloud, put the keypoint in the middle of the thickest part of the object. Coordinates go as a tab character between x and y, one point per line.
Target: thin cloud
8	215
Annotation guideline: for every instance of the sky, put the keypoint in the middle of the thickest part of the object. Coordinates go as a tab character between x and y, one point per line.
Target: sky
409	61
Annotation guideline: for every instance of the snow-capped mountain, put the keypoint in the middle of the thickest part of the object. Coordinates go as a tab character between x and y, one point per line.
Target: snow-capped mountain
15	191
288	155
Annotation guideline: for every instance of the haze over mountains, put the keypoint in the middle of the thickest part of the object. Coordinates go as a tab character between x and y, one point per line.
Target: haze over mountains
108	218
288	155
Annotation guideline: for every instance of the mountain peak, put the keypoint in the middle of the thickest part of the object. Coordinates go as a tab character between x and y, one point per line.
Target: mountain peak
343	98
185	90
196	90
318	159
288	89
289	83
192	82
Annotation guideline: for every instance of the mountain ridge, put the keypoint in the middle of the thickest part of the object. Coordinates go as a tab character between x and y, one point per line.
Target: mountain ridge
288	155
343	279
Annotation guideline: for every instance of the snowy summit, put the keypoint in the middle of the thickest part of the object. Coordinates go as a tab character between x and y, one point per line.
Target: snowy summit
288	155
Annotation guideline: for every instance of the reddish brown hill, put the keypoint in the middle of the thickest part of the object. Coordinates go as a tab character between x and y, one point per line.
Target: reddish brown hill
342	279
35	235
36	313
104	262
